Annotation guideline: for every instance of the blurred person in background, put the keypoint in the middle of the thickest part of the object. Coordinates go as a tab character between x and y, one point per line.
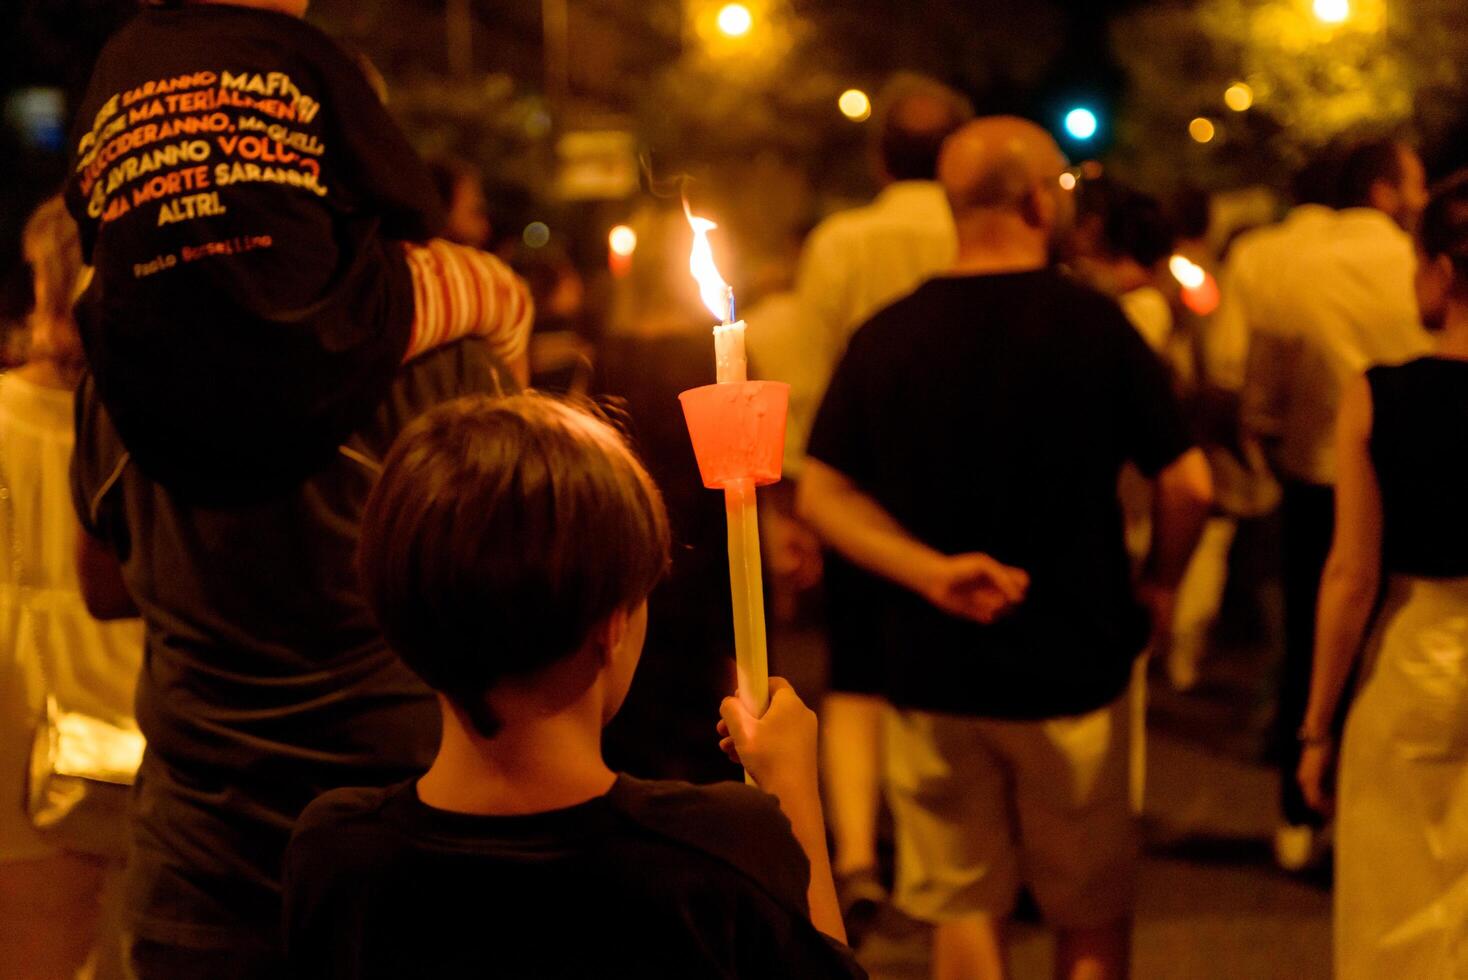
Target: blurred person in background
854	263
51	921
555	284
657	344
466	211
1401	494
1124	241
562	348
1309	304
1120	245
792	552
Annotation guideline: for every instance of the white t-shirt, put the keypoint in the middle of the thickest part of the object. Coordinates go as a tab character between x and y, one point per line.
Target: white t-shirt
1318	298
1151	314
855	263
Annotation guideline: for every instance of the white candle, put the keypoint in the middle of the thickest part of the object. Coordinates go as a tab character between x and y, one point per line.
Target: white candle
730	363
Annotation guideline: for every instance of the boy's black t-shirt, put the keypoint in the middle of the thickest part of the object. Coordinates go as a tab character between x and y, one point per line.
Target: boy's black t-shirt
654	879
238	186
993	413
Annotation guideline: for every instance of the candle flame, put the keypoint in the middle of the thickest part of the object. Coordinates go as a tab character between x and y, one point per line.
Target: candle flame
1187	272
712	288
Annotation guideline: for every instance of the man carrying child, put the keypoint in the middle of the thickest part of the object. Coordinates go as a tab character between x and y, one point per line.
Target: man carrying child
262	238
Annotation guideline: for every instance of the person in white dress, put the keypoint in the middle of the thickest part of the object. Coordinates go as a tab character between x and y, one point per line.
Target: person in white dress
1307	305
50	908
1401	539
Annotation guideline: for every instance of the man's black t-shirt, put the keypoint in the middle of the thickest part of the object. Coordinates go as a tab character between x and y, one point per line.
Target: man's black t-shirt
993	413
265	681
654	880
238	184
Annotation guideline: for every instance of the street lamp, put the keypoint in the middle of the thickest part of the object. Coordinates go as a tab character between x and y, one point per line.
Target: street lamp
734	20
855	105
1332	11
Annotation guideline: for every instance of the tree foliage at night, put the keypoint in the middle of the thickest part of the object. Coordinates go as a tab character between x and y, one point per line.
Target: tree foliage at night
1390	68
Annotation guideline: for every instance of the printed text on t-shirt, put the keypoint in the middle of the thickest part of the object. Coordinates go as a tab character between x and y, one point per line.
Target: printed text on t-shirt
175	142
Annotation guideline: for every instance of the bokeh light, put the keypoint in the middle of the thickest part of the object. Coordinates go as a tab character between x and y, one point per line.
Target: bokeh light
622	241
1238	96
1332	11
537	234
735	20
538	123
1081	123
1067	181
1202	130
855	105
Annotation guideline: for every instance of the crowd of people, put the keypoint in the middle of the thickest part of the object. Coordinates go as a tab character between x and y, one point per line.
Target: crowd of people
278	500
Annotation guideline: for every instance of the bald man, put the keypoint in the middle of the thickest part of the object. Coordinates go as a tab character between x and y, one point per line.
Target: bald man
854	263
967	451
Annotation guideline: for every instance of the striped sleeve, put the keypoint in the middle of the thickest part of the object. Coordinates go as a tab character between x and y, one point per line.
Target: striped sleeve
460	291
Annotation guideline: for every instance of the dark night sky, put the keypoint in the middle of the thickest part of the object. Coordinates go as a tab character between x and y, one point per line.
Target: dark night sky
53	43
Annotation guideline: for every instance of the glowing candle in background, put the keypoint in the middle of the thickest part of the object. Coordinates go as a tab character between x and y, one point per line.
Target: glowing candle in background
621	246
1199	290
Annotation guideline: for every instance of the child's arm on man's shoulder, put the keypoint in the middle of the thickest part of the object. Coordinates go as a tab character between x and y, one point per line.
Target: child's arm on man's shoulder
460	291
779	751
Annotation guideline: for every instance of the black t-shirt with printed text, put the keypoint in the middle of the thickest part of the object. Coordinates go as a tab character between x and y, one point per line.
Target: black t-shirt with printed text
993	413
653	879
239	187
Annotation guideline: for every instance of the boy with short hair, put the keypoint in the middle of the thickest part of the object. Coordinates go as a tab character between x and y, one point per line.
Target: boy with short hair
264	239
507	552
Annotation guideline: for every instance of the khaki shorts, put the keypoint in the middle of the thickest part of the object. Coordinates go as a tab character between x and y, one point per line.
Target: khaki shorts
982	806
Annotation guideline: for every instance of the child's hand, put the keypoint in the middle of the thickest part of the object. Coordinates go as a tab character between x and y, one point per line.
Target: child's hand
778	750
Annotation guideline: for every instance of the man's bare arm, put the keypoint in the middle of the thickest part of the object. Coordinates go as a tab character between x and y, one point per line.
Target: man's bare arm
972	586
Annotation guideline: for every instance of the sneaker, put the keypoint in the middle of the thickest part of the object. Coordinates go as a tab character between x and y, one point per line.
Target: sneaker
861	896
1294	847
